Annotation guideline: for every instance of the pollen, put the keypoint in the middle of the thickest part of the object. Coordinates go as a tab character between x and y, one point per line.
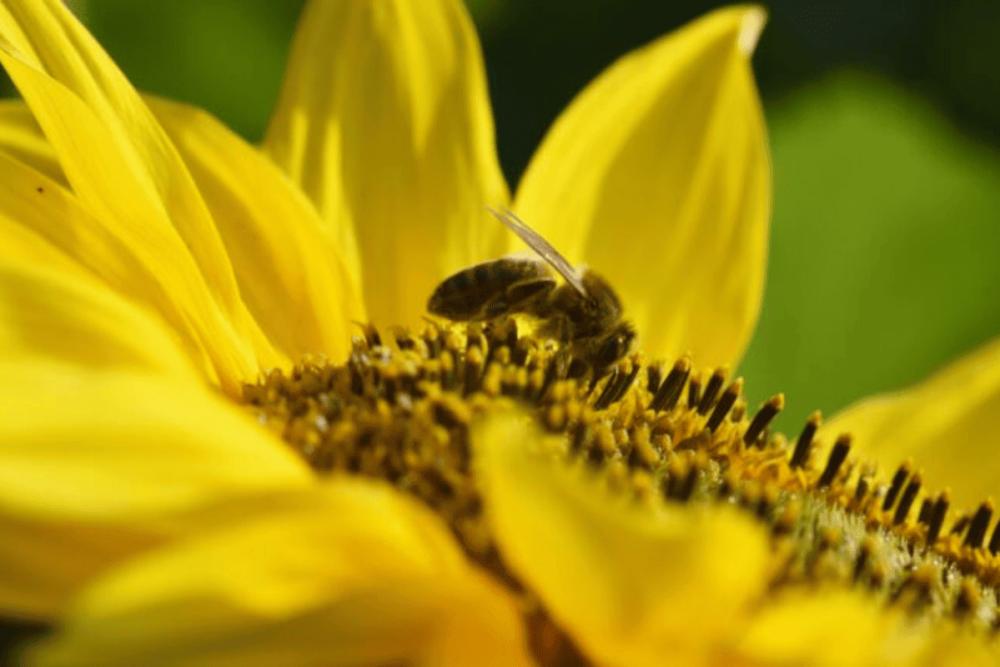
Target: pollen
401	407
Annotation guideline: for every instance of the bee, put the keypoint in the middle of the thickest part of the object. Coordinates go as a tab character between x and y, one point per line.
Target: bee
583	312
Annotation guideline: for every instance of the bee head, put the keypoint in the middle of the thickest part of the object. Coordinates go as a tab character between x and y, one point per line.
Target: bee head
616	344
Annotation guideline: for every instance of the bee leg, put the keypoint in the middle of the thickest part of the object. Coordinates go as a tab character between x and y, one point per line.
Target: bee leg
559	327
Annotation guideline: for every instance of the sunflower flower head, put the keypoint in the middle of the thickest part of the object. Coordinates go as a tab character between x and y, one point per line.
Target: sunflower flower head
235	436
411	410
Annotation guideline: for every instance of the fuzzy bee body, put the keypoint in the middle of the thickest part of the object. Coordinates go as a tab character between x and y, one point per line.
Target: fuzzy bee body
490	289
584	312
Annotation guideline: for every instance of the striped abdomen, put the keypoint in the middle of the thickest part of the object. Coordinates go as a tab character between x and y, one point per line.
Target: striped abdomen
489	289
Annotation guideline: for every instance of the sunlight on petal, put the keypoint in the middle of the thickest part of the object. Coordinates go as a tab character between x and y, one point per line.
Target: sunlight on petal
658	177
41	218
91	459
631	584
107	430
22	139
948	425
352	574
52	314
808	628
166	443
290	272
124	170
384	121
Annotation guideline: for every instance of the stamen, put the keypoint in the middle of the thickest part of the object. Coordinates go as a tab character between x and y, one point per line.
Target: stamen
694	392
668	393
610	389
896	486
961	523
654	375
968	598
804	444
681	479
865	552
978	525
861	490
909	495
712	390
837	456
938	514
626	382
768	411
923	516
729	397
916	589
995	540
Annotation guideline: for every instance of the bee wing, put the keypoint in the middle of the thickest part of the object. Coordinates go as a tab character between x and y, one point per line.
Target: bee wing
541	246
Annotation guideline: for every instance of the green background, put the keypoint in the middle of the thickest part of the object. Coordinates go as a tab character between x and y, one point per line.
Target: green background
884	122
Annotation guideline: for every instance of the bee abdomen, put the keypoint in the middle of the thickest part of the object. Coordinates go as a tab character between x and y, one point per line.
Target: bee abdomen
465	294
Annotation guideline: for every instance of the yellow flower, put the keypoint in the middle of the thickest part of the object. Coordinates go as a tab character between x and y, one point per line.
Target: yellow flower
191	473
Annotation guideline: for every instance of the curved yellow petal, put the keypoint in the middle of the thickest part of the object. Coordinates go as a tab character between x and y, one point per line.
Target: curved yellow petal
829	628
289	270
630	584
52	315
658	177
119	444
22	244
40	219
350	575
291	274
384	121
22	139
948	425
92	459
126	173
106	431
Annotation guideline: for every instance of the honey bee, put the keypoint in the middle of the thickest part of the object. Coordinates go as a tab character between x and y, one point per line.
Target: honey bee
583	312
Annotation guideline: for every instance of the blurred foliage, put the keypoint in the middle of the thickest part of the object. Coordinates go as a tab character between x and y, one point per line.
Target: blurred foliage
226	56
886	236
539	54
885	246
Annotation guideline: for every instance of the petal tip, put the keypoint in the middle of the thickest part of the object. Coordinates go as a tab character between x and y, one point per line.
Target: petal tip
750	29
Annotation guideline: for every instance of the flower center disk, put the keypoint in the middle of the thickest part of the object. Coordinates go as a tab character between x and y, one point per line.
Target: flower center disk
401	411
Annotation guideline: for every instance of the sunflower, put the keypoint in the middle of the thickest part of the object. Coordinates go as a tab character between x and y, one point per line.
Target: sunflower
205	460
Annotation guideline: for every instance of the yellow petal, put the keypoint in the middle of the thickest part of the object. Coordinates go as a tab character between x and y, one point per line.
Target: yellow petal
79	443
127	174
52	315
384	122
829	628
39	219
20	243
22	139
90	462
822	628
631	584
355	574
107	438
658	177
948	425
60	328
290	272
